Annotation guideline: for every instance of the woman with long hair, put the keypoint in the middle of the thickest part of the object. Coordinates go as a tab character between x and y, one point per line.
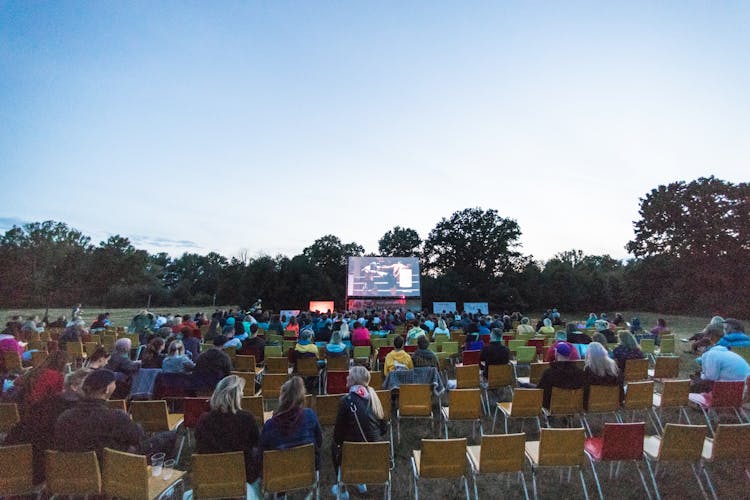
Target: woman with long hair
98	359
177	361
292	424
153	355
627	349
442	329
600	369
47	379
227	427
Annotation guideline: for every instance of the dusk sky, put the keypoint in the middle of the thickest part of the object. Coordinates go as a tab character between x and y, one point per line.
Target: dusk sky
221	126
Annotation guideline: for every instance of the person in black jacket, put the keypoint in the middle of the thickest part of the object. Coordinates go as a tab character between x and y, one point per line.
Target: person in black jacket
495	353
562	373
360	417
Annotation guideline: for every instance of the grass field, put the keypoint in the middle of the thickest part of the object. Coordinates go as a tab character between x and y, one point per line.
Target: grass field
676	480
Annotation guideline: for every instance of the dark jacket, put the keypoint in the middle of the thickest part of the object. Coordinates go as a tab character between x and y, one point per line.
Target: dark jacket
346	428
307	430
91	425
425	357
494	354
563	374
219	432
210	367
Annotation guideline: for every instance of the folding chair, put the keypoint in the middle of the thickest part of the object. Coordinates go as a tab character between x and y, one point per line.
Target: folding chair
525	356
245	364
336	382
514	344
153	416
271	385
730	444
557	448
527	403
16	463
126	475
666	345
414	401
290	469
674	394
564	403
467	377
254	406
535	373
665	367
385	402
498	376
72	473
724	395
118	404
75	351
307	368
365	463
498	454
680	443
337	363
440	459
11	361
470	357
636	369
648	348
362	354
249	389
464	404
618	442
327	407
193	408
376	379
272	351
603	399
639	396
219	475
277	365
9	417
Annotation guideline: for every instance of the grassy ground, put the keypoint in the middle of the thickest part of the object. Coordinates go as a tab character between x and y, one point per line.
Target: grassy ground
676	481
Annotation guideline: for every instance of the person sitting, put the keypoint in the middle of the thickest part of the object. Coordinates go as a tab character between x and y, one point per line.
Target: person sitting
98	324
254	345
414	332
574	336
344	331
423	356
292	424
119	361
734	335
336	346
602	326
635	327
230	341
153	355
305	347
98	359
441	329
619	320
547	328
719	364
360	335
190	342
599	337
90	425
210	367
627	349
275	325
292	326
46	380
473	342
495	353
397	359
177	361
525	328
562	373
227	427
561	338
657	331
702	340
360	418
591	320
599	369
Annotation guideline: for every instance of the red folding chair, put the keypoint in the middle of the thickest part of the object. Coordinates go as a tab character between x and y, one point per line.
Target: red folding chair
193	409
725	395
336	382
382	353
618	442
470	357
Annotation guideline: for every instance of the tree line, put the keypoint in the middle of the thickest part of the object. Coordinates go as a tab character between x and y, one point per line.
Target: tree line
690	254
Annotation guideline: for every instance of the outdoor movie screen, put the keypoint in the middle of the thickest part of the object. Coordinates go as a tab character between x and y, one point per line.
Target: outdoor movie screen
383	277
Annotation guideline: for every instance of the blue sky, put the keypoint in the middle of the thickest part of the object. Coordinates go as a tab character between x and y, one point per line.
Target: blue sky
195	126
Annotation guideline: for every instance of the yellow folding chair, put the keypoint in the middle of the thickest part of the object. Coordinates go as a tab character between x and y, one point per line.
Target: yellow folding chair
499	454
440	459
290	469
527	403
219	475
72	473
557	448
466	405
365	463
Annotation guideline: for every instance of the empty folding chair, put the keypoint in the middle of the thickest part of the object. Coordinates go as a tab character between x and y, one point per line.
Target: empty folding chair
154	417
126	475
336	382
499	454
327	407
679	444
527	403
470	357
639	397
467	377
731	444
636	369
440	459
72	473
276	365
674	394
219	475
602	400
557	448
414	401
665	367
466	405
17	476
564	403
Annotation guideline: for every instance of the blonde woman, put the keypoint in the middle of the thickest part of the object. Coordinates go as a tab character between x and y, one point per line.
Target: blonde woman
177	361
227	427
442	329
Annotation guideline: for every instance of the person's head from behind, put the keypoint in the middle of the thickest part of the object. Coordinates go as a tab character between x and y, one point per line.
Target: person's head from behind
100	384
715	335
628	340
496	335
635	323
156	345
570	328
220	340
305	336
547	322
122	347
422	342
661	322
176	348
359	379
524	320
227	396
732	325
598	360
335	337
398	342
563	352
74	381
358	375
441	324
344	330
291	395
599	337
98	358
56	361
561	335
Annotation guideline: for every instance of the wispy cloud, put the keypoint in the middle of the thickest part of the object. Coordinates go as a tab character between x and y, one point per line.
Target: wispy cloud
156	241
8	222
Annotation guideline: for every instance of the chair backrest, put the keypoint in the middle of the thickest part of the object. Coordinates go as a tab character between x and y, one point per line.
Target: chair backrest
636	369
536	370
17	477
450	347
327	407
277	365
385	402
443	458
193	408
376	379
244	363
362	351
647	346
566	401
272	351
500	376
336	382
502	453
514	344
271	384
218	475
561	447
254	406
526	354
117	404
72	473
527	402
604	398
9	416
337	363
467	376
152	415
125	475
639	395
290	469
667	367
470	357
465	404
38	357
731	442
666	345
726	394
249	389
307	366
365	463
675	393
415	399
623	441
682	442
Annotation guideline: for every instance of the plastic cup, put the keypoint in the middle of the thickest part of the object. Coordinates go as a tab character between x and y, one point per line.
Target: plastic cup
157	462
168	469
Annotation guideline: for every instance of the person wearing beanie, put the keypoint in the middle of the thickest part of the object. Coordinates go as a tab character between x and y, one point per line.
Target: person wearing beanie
495	353
562	373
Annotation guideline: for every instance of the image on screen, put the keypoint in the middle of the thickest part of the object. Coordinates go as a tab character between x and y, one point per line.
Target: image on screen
383	277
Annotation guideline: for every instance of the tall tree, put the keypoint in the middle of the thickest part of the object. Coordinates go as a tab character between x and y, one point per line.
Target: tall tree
329	255
400	242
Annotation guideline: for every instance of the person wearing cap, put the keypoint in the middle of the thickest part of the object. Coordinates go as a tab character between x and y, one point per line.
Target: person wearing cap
734	335
562	373
719	364
561	338
495	353
91	425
